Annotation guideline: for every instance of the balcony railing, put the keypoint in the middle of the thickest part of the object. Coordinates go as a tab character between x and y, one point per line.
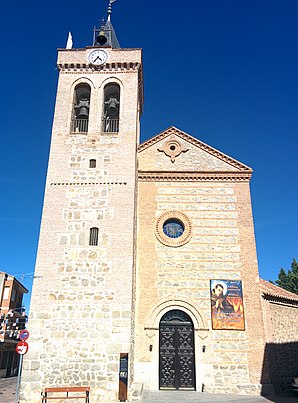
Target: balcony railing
12	321
79	125
110	125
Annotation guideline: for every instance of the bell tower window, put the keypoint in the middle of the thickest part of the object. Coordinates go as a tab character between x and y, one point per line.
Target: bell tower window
81	108
92	163
93	236
111	108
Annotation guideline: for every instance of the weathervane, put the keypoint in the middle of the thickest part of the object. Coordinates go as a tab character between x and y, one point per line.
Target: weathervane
110	9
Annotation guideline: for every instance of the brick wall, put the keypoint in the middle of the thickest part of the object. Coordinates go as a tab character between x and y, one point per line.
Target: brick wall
281	354
222	246
80	317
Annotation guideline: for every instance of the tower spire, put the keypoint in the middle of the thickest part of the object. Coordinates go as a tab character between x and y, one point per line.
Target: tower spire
105	35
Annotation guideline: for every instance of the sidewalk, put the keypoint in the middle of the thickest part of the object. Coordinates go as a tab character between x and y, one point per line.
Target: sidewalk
8	389
198	397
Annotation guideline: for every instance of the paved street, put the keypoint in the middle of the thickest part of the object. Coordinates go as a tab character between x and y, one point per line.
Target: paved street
8	388
197	397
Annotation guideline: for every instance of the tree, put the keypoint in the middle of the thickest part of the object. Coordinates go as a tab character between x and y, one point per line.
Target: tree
289	280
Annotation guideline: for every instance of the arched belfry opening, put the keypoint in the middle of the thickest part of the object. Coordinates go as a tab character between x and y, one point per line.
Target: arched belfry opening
81	107
111	108
176	351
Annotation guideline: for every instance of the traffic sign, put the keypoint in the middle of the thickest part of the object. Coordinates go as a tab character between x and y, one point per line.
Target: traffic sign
24	335
22	347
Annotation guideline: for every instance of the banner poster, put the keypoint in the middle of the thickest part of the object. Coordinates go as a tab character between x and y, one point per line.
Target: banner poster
227	312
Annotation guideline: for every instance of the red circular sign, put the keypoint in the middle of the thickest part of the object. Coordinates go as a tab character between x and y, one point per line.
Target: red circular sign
24	335
22	347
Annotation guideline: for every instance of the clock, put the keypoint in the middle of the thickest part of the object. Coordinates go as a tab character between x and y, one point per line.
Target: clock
97	57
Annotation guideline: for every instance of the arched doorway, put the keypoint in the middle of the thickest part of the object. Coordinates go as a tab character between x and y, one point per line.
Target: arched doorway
176	351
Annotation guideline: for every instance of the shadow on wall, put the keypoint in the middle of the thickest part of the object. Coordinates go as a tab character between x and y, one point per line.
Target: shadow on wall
279	366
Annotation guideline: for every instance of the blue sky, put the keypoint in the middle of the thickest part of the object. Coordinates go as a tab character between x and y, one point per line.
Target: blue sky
222	71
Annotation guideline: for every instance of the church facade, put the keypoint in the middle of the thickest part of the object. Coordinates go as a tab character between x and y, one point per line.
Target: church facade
182	179
146	274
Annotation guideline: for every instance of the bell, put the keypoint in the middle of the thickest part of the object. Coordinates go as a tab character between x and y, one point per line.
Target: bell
83	112
112	107
82	109
101	39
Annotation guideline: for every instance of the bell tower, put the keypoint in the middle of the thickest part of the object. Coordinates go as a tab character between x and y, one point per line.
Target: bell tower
81	312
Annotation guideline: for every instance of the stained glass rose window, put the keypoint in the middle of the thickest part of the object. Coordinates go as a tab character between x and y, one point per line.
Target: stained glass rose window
173	228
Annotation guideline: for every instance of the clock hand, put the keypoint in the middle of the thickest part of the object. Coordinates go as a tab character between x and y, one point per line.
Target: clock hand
98	58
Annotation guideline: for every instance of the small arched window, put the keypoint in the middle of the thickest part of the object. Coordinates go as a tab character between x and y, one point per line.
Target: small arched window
92	163
93	238
81	106
111	108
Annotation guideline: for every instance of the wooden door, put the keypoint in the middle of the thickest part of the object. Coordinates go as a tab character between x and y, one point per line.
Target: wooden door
176	352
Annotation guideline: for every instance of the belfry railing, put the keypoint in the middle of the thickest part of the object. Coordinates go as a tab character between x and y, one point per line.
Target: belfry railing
79	125
110	125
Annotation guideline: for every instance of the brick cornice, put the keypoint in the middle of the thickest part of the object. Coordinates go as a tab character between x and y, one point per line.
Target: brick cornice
157	176
280	300
120	67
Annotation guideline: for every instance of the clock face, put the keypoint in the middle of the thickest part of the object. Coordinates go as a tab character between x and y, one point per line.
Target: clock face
97	57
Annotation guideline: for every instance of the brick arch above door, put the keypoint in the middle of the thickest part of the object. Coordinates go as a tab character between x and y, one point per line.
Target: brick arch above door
156	312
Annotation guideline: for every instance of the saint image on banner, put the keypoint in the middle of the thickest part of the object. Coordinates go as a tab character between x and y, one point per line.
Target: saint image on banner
227	312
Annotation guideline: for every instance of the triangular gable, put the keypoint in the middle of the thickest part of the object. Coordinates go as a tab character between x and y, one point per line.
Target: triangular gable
176	151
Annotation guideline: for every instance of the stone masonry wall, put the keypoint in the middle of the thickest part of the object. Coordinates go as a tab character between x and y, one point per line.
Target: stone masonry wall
282	347
80	316
222	246
284	322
